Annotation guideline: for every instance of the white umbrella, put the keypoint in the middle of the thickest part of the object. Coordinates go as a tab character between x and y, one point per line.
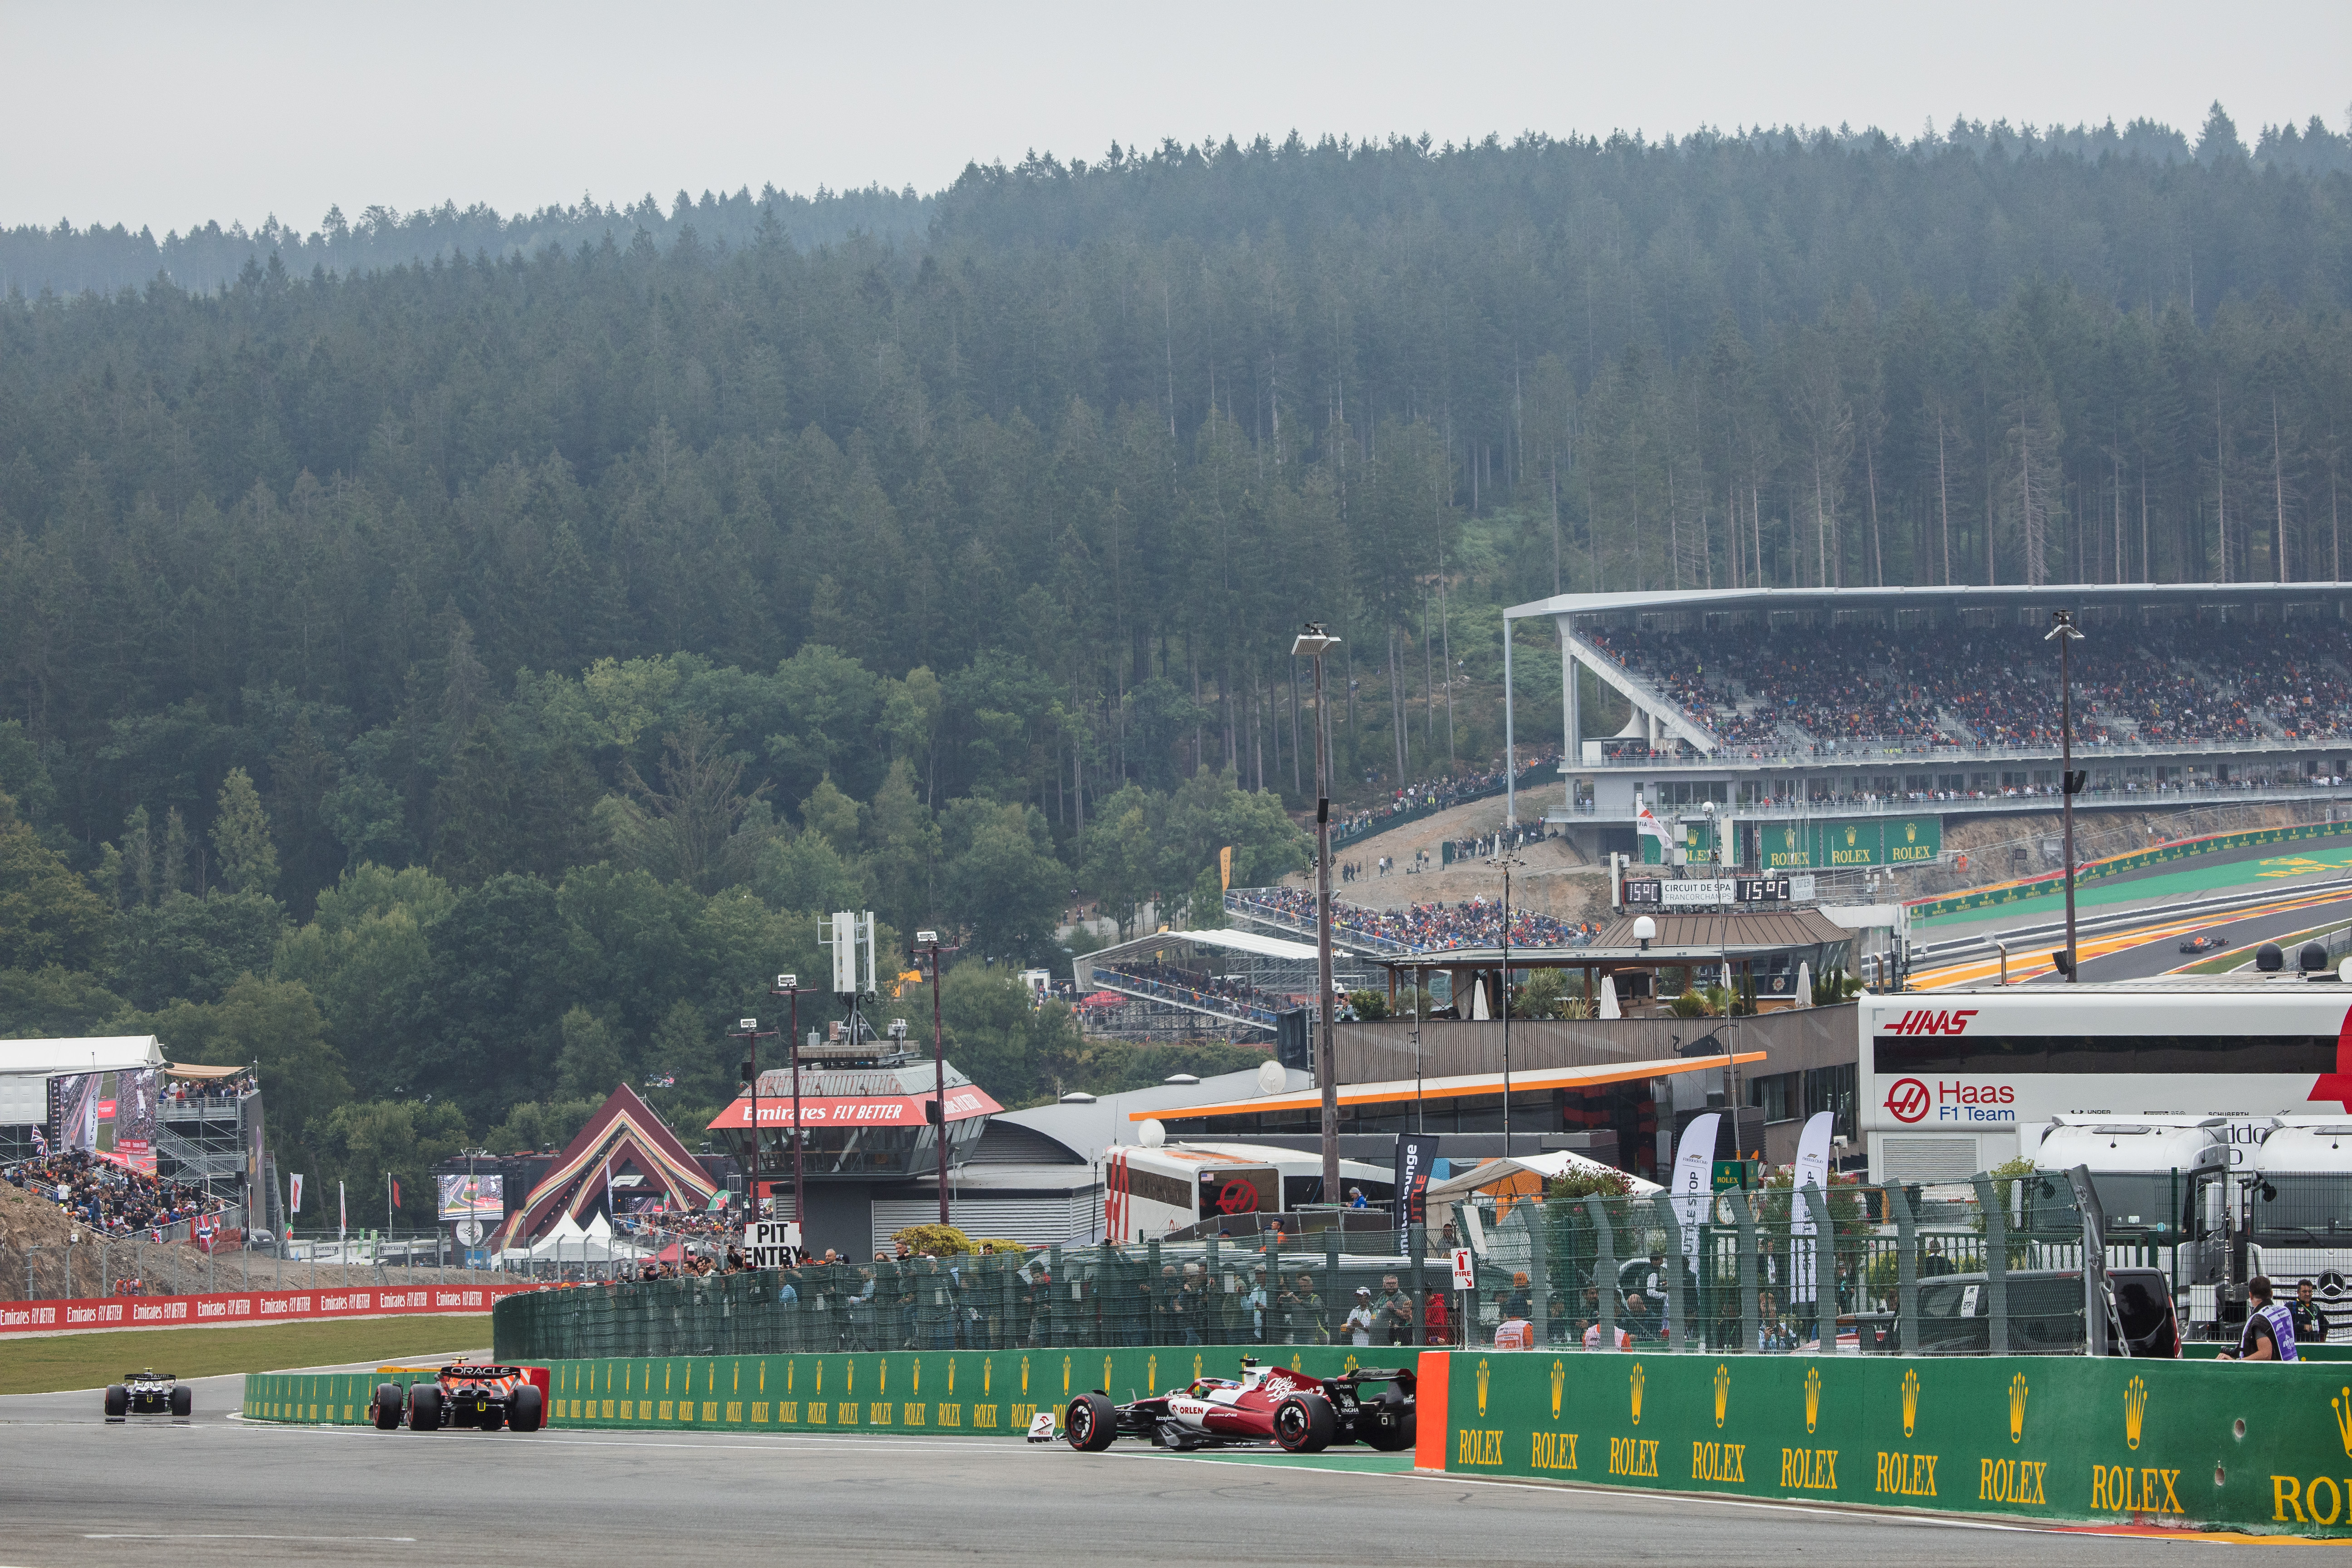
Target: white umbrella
1478	997
1804	984
1609	1008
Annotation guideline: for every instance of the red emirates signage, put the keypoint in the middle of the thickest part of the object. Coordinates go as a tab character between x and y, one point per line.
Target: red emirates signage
964	1101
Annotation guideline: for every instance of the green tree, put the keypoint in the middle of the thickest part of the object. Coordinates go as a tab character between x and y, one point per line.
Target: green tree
590	1064
274	1024
48	915
1003	881
365	1143
248	861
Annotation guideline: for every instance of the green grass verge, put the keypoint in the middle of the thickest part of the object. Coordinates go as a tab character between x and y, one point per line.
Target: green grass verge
46	1365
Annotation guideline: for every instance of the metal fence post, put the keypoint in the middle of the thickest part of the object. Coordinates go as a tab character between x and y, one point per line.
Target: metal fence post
1604	1269
1334	1312
1417	1250
1823	1269
1677	1310
1538	1270
1996	1260
1907	1269
1745	1212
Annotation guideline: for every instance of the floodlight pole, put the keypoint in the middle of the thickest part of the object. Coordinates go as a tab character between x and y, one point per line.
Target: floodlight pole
2063	631
1313	643
749	1031
788	986
1506	862
938	1068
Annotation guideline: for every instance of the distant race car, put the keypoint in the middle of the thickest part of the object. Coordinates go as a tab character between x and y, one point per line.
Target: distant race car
148	1393
484	1397
2201	943
1300	1414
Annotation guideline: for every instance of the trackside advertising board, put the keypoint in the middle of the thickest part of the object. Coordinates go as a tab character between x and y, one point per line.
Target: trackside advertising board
249	1307
2043	1437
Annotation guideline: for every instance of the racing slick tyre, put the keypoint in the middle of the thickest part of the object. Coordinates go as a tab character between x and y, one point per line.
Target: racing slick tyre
1090	1424
118	1401
527	1408
1387	1424
385	1407
1303	1424
184	1399
424	1408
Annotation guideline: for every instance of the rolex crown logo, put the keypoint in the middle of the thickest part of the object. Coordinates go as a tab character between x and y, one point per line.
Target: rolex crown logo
1151	1372
1722	1391
951	1374
1106	1372
2135	1410
2343	1405
1065	1375
1637	1393
2017	1392
918	1377
1482	1387
1559	1381
1024	1374
1812	1396
1196	1366
1910	1400
1911	833
987	1376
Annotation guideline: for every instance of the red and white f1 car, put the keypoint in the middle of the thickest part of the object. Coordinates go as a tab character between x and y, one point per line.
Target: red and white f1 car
1299	1413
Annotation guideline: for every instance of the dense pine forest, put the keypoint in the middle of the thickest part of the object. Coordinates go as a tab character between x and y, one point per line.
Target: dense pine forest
456	655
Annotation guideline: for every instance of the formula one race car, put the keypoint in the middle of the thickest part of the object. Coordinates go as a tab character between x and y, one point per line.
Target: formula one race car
486	1397
2200	944
1300	1414
148	1393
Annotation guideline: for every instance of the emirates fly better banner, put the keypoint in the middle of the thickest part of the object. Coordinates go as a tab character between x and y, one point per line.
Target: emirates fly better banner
250	1307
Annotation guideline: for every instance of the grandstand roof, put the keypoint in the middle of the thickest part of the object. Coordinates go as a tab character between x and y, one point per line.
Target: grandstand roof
1226	938
1963	596
114	1053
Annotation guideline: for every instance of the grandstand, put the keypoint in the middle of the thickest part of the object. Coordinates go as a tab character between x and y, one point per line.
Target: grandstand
1834	729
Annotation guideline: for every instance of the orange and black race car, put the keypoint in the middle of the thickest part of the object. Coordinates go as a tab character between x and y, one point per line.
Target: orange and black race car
2201	943
483	1397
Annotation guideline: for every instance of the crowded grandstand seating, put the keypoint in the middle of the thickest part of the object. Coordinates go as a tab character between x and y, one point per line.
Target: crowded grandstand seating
106	1197
1435	794
2184	683
1233	998
1420	927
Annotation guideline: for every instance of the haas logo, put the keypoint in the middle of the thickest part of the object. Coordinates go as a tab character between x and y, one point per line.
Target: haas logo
1929	1021
1907	1099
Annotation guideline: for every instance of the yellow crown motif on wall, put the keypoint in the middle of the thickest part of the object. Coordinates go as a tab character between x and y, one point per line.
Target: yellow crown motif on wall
1637	1393
1722	1391
2016	1395
1910	1400
1482	1386
1559	1381
2343	1405
1812	1396
2135	1410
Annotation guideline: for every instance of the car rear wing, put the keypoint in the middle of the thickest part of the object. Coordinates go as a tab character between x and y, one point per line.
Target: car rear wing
1402	1376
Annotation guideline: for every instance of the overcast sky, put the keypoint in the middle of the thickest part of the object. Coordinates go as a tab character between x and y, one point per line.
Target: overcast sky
168	115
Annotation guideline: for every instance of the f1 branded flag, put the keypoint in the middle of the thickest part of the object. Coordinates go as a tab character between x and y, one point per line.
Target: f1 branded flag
395	1192
1415	1151
294	1204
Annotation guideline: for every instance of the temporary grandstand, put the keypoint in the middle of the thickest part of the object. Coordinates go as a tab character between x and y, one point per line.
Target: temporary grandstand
1239	979
1805	730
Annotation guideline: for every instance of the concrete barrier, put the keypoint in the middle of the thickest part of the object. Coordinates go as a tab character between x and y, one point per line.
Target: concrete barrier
2187	1445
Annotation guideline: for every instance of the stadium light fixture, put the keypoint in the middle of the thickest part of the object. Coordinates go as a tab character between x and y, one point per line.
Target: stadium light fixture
786	986
1311	643
2066	634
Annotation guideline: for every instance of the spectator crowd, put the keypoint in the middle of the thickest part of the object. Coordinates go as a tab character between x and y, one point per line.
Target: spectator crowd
108	1197
1425	928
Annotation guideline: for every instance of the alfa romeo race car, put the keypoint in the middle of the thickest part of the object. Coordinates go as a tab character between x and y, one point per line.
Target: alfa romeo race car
485	1397
1300	1414
148	1393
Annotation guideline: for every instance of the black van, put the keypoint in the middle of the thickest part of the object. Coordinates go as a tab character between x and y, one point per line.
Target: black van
2045	1314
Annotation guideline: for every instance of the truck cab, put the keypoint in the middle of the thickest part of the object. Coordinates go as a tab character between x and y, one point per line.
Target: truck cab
2163	1189
2298	1209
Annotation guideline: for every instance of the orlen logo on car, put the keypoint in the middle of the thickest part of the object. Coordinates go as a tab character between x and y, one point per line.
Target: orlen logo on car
1929	1021
1907	1099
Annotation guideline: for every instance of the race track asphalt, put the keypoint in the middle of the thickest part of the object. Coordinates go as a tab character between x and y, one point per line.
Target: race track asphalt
215	1489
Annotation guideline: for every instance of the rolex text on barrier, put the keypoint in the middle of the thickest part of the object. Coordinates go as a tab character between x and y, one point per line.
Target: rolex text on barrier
291	1306
2170	1443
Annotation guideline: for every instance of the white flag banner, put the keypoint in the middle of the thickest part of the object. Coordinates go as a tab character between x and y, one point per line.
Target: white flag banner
1695	1178
1812	1169
294	1204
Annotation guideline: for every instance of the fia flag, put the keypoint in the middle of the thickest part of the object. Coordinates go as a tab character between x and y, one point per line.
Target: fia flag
1694	1185
1812	1169
294	1204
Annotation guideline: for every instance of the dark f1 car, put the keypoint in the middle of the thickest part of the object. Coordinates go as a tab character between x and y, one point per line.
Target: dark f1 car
1300	1414
485	1397
2201	943
148	1393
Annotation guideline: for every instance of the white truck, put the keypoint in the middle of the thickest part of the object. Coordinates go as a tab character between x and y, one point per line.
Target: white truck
2164	1190
2298	1213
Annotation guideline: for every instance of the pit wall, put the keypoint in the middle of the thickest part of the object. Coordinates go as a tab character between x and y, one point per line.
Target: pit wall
984	1393
2189	1445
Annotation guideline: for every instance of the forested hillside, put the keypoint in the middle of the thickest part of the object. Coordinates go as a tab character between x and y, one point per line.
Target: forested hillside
469	678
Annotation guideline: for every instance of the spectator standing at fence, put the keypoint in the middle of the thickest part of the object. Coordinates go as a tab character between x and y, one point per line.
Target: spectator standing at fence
1437	1327
2311	1324
1395	1308
1304	1307
1514	1303
2269	1327
1618	1338
1359	1324
1255	1303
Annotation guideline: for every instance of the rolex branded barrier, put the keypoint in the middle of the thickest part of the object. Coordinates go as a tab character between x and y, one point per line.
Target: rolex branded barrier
2180	1444
985	1392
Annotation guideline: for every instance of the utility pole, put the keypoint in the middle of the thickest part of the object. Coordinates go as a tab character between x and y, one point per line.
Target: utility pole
789	987
1506	862
930	938
748	1030
1313	644
2065	634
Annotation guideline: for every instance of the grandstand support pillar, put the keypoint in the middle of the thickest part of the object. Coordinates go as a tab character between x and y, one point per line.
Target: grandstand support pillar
1571	749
